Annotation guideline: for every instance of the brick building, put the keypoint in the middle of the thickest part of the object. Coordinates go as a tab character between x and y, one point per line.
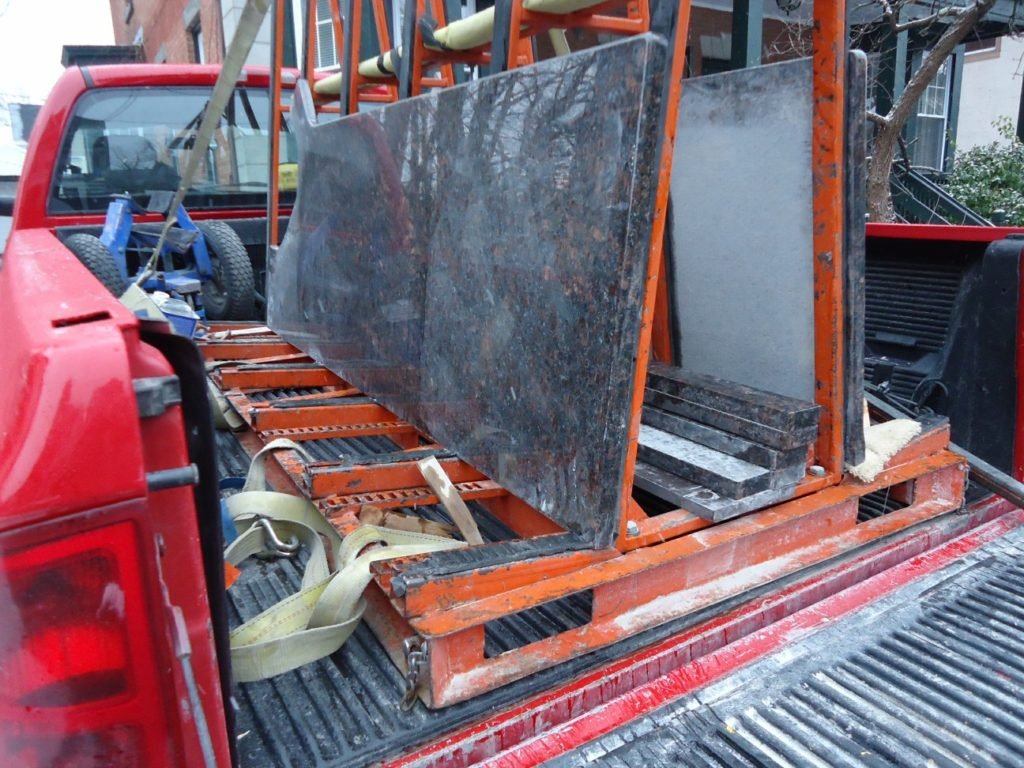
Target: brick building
179	31
183	31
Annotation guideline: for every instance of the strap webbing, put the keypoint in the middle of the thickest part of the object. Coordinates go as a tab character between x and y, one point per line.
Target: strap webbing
318	619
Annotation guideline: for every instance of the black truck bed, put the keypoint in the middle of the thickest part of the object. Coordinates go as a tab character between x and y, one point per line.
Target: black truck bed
931	675
344	710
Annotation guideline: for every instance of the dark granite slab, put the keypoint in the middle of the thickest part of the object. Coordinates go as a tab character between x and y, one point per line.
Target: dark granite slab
776	411
754	431
761	455
703	501
474	260
722	473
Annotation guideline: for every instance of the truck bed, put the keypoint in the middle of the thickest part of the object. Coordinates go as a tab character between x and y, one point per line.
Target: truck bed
930	670
344	710
930	675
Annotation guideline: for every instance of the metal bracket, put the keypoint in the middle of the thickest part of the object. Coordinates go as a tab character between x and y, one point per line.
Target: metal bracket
415	662
156	394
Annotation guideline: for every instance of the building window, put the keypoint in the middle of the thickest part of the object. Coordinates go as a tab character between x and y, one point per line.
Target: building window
928	147
195	35
985	45
326	51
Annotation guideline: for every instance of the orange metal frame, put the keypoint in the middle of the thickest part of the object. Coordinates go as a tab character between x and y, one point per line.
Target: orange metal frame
525	24
669	565
360	85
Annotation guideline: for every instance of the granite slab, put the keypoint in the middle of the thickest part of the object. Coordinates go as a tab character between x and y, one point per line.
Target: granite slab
742	228
474	258
722	473
702	501
777	411
724	442
754	431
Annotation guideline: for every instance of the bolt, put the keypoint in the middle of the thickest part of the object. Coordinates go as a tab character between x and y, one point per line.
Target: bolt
705	495
816	470
632	528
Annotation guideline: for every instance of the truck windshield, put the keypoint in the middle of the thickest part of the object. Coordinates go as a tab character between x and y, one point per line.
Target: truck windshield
138	140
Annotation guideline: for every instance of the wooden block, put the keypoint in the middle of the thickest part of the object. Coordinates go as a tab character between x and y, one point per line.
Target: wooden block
450	499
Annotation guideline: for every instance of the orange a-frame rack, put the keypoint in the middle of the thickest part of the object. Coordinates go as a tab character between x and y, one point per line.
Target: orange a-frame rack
662	567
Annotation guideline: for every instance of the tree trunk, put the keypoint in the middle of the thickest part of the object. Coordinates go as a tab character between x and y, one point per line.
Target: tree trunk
879	192
891	126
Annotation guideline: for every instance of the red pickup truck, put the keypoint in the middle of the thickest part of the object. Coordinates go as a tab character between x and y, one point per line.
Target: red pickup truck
108	653
110	530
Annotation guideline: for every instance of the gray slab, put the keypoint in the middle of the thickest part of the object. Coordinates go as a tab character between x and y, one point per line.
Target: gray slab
855	255
730	422
777	411
713	469
742	228
702	501
474	260
769	458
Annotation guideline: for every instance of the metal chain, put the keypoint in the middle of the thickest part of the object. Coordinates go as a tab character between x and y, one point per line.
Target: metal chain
415	661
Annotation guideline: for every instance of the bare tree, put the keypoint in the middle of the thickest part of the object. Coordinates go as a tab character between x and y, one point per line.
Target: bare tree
959	21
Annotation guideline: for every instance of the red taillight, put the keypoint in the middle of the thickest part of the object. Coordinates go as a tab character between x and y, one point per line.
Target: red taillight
68	641
79	673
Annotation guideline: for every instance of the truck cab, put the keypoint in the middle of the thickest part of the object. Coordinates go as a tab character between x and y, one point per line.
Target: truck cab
117	129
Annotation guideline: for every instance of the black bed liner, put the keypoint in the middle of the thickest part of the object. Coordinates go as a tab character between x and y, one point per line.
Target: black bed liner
931	675
344	710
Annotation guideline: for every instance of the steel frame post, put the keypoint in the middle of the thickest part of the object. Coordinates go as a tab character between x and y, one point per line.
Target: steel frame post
681	28
829	73
276	65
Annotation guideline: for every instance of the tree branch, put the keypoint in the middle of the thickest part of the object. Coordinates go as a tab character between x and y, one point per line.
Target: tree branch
905	152
891	15
887	139
877	119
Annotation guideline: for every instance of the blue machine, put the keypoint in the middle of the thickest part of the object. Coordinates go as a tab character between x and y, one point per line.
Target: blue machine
184	263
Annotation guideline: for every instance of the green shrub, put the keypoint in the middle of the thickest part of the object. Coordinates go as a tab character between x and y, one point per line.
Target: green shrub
990	178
